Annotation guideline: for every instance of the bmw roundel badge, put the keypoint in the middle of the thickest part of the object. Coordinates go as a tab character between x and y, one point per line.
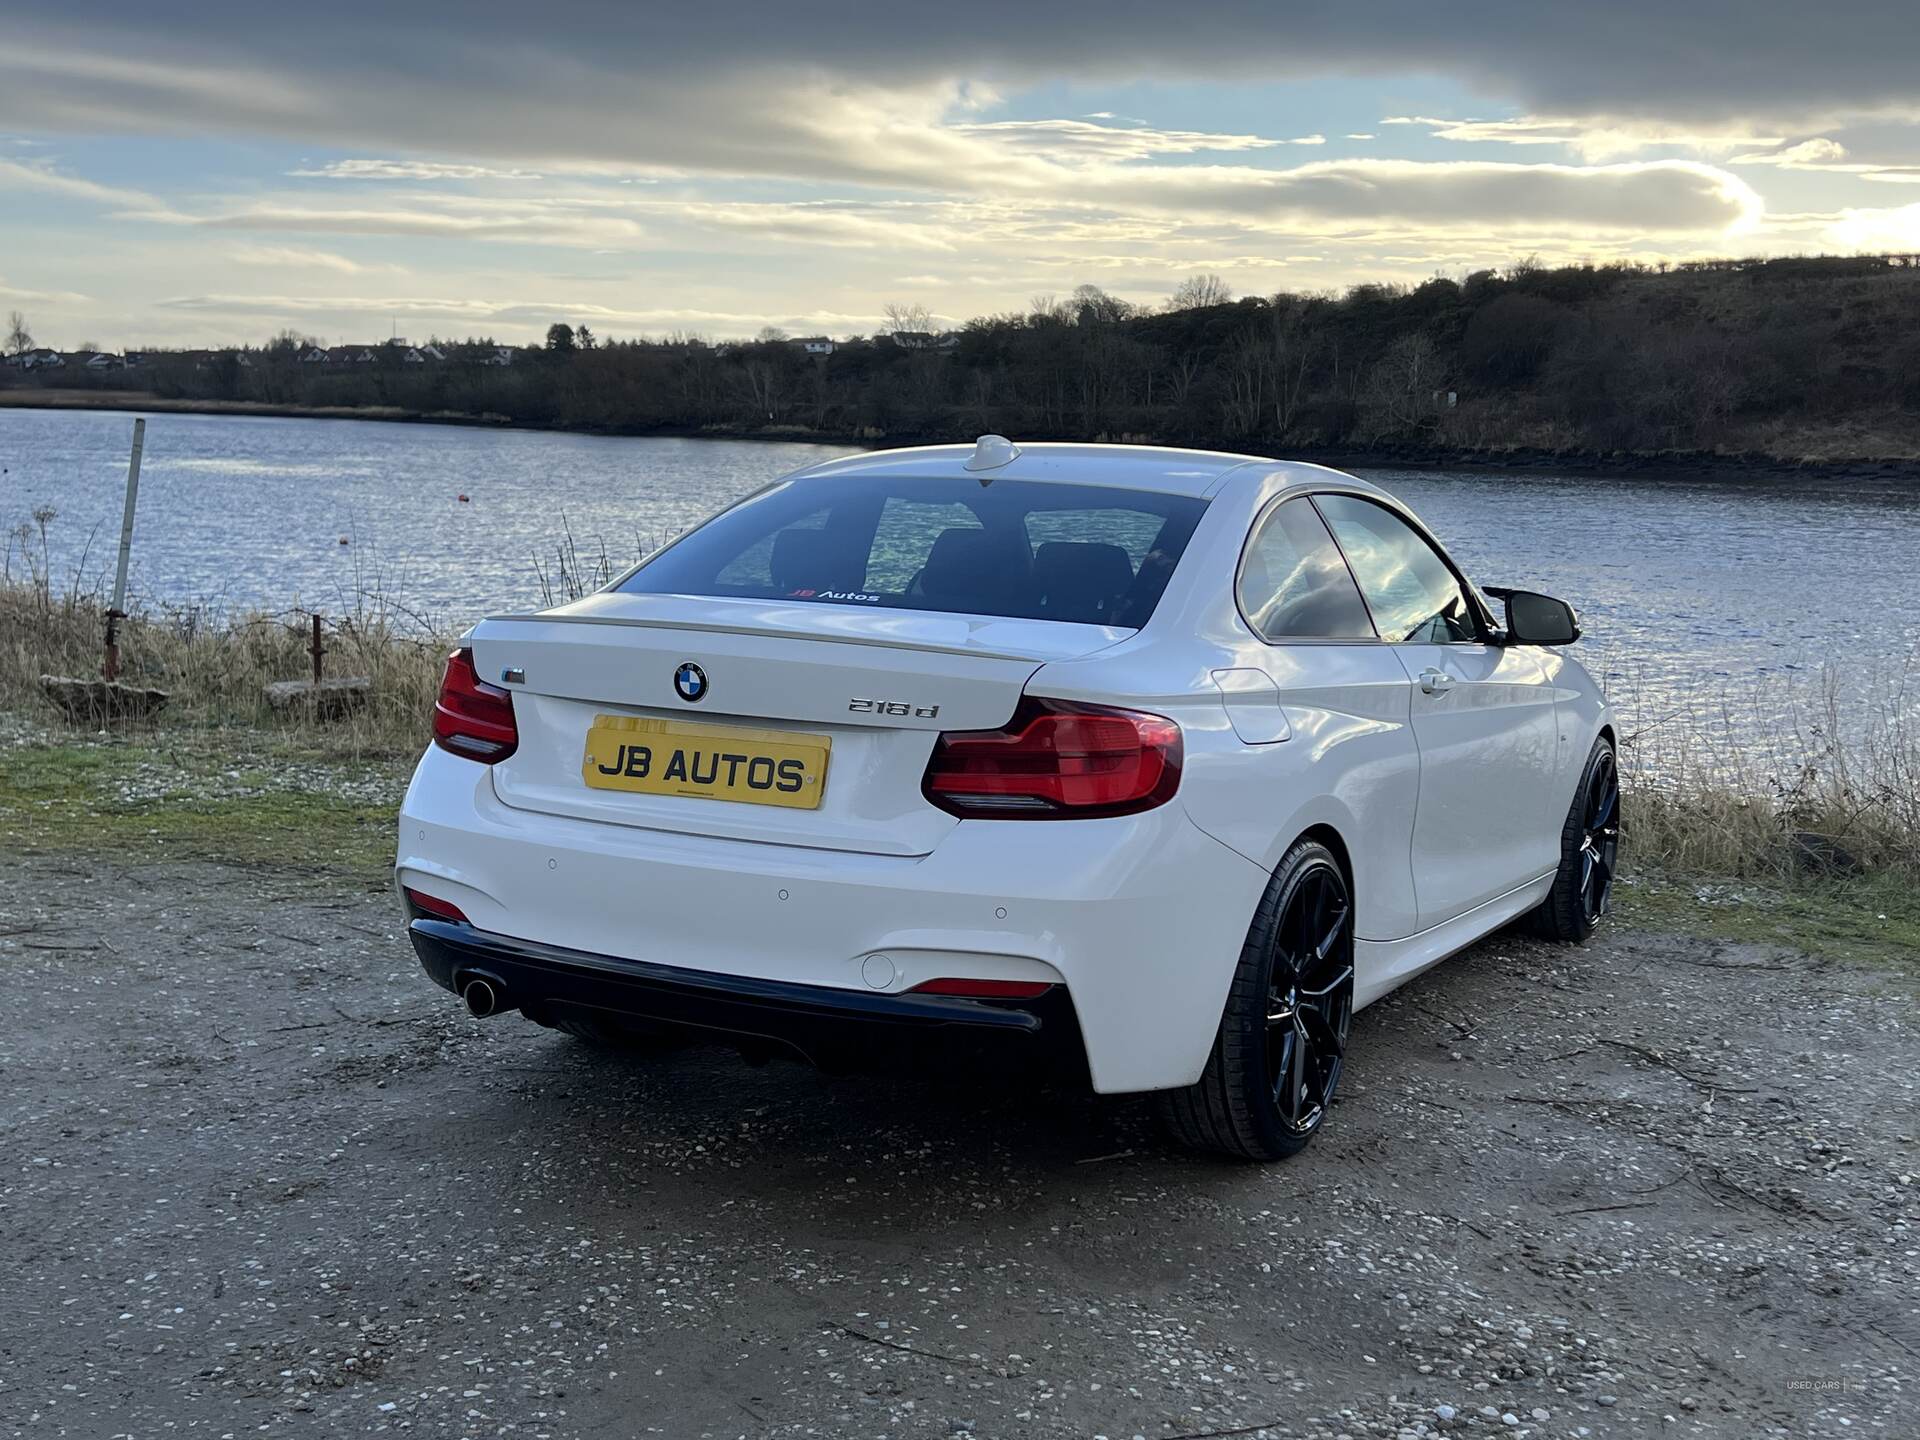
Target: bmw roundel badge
691	681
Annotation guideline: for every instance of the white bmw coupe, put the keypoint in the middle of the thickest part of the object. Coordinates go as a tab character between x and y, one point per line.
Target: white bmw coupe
1165	761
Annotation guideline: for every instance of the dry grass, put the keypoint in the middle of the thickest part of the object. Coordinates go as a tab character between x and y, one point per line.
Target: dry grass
1745	783
1775	777
217	667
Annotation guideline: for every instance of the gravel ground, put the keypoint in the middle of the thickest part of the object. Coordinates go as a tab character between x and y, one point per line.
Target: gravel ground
256	1174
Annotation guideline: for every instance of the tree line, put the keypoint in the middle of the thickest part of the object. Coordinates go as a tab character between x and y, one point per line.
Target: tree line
1734	354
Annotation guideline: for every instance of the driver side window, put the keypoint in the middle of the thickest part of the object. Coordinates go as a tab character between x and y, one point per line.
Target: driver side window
1414	596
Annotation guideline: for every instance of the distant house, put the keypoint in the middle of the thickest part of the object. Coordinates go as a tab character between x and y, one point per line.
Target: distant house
101	360
815	345
313	355
351	354
500	355
422	354
42	359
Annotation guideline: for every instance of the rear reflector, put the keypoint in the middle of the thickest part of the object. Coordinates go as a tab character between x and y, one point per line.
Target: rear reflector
1056	760
473	719
433	905
984	989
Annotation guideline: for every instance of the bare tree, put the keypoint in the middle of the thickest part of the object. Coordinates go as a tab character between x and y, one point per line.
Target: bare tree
769	334
1290	347
1048	310
1094	306
914	319
1244	372
1198	292
19	338
1398	393
1184	371
765	384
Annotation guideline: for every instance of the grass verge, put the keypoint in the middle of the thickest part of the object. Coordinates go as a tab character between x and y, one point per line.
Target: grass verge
1868	919
265	803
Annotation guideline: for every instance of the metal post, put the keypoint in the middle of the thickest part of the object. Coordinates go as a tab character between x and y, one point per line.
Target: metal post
314	649
117	611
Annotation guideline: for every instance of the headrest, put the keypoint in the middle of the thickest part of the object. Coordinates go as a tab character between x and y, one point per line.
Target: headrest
957	562
1082	577
990	571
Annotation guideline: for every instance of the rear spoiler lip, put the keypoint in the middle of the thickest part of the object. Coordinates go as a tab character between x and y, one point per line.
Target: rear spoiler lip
1114	635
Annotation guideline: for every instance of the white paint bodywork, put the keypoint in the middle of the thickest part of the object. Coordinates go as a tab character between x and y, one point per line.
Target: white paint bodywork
1447	805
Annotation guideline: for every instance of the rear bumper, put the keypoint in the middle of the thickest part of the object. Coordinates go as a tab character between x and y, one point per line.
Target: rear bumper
834	1028
1139	919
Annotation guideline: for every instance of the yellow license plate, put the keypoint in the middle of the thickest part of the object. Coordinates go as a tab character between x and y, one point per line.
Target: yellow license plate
711	762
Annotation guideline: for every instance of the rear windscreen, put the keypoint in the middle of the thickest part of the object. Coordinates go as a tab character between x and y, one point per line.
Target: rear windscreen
1082	553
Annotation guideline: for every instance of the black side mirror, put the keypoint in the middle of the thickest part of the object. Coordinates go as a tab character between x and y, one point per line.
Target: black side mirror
1536	619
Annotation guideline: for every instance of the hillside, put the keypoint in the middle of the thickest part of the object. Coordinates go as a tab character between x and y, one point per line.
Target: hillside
1796	358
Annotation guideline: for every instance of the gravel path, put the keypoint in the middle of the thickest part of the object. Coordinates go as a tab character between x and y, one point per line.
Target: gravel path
256	1175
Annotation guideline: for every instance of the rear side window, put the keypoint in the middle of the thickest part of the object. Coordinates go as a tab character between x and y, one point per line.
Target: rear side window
1294	585
1415	597
1080	553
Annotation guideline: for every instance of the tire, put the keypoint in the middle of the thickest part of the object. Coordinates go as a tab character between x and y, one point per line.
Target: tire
1276	1060
1582	889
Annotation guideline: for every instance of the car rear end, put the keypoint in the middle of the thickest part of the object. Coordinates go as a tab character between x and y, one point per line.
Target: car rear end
798	781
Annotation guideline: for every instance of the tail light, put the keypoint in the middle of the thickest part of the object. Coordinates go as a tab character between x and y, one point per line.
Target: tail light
472	718
1056	760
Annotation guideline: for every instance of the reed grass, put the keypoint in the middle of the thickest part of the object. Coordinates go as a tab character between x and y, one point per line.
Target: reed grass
216	666
1778	776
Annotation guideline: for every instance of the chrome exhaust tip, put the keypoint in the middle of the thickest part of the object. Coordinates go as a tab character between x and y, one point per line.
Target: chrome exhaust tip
482	997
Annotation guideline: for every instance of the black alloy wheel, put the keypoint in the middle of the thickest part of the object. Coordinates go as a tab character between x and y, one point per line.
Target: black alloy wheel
1600	840
1589	854
1310	999
1276	1060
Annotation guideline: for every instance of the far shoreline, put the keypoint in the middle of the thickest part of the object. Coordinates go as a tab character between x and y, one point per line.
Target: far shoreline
1665	464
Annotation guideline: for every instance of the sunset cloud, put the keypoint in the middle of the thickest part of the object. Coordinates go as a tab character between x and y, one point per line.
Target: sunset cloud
409	170
422	73
762	162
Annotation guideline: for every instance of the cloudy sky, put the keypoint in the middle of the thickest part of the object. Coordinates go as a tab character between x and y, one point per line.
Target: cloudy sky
216	171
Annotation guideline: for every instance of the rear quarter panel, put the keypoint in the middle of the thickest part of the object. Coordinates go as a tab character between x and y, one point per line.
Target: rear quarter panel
1350	763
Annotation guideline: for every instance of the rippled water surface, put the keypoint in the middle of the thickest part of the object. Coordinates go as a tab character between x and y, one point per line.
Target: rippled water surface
1683	585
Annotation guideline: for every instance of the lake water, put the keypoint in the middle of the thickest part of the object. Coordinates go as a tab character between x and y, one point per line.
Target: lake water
1686	588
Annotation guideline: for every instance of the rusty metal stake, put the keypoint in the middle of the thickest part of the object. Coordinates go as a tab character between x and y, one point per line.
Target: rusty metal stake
116	612
315	649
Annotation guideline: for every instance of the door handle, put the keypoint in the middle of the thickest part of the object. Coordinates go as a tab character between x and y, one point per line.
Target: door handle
1435	682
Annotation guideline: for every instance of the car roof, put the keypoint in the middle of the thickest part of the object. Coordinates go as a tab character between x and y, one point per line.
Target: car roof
1162	469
